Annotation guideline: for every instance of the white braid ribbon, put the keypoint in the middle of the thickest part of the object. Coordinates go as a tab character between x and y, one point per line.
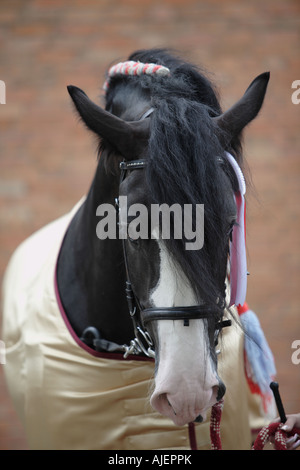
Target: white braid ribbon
135	68
238	258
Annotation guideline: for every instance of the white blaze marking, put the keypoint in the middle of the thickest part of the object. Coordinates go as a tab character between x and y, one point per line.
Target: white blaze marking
185	373
172	289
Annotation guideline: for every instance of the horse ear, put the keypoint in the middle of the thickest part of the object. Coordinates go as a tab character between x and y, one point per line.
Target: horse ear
246	109
127	137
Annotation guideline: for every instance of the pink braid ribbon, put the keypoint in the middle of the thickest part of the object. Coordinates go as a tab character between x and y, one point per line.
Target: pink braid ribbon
238	259
133	68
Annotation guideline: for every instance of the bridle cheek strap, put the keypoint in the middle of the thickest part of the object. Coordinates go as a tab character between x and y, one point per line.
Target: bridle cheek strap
238	258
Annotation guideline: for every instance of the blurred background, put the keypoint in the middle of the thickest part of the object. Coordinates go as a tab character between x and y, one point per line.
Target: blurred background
47	158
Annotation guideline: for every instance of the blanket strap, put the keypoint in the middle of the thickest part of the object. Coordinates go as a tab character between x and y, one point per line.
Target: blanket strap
215	422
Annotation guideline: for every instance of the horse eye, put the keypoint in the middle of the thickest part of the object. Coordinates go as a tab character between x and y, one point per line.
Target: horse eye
229	234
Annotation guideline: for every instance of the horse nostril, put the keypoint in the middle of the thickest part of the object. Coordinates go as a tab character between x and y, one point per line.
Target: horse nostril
199	419
221	390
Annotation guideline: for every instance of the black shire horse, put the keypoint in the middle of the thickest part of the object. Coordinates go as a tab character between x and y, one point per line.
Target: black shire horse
126	294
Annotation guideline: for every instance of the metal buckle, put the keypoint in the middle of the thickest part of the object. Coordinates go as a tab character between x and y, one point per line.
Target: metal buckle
133	348
144	336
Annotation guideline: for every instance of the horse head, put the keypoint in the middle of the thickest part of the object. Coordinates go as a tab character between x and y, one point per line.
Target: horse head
169	131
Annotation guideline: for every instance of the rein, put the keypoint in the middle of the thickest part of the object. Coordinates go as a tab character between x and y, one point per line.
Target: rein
270	431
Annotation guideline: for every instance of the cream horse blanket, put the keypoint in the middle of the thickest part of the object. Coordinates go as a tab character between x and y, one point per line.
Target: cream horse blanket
71	397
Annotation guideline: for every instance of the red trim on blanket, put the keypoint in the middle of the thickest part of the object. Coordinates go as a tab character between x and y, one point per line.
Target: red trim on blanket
117	356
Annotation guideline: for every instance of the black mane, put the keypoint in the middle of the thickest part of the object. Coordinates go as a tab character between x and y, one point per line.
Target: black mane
183	167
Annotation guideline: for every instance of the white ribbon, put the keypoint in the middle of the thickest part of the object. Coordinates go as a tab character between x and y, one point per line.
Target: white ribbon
238	259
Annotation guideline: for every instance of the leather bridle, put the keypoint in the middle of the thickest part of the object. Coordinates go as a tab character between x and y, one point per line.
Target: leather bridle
143	343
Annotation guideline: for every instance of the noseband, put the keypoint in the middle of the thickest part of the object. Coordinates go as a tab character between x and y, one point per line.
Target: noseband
142	343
